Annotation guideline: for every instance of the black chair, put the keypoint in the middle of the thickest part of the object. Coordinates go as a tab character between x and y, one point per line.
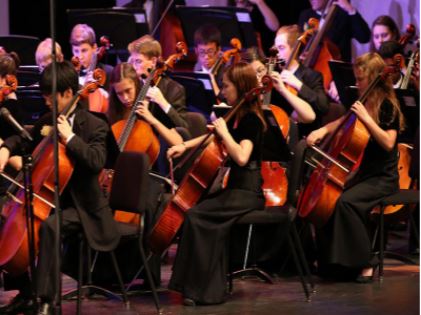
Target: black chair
405	197
24	46
284	215
129	188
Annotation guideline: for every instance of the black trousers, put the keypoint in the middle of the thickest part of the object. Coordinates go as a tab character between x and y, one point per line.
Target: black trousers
47	263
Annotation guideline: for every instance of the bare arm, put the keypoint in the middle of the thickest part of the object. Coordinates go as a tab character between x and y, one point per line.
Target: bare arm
271	20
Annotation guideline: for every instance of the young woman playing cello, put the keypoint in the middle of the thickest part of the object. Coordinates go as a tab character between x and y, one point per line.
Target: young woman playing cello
199	271
345	239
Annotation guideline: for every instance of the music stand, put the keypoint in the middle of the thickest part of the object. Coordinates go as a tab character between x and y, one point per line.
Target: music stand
231	21
120	25
343	76
31	103
199	93
24	46
409	101
28	75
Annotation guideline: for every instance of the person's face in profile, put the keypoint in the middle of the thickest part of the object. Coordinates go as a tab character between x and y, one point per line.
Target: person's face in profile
260	69
381	33
142	64
207	54
229	91
284	49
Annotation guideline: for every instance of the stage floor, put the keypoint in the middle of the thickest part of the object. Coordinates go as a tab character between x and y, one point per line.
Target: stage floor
397	294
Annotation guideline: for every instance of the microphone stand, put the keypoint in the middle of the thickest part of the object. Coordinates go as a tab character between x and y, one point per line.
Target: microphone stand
58	214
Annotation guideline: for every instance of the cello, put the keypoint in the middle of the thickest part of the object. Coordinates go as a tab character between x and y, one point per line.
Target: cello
320	50
137	135
197	180
14	245
345	148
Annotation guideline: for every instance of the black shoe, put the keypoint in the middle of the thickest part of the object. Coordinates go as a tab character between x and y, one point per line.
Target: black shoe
364	279
45	309
189	302
19	304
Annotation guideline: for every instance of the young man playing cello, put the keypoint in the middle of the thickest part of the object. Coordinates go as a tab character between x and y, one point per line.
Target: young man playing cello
82	201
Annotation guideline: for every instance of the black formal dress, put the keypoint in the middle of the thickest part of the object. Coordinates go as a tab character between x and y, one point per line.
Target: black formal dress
83	202
344	28
200	268
345	239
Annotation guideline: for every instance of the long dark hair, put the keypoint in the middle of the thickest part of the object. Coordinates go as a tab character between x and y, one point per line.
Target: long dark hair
120	72
244	78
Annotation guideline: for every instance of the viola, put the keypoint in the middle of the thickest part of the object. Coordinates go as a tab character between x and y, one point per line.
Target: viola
98	100
342	153
10	86
197	179
14	257
137	135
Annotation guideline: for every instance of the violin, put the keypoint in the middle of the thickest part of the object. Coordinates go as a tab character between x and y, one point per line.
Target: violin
227	55
14	256
137	135
197	179
344	151
10	86
98	101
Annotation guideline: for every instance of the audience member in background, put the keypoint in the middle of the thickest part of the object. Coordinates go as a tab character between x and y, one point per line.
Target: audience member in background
265	21
43	55
383	29
346	25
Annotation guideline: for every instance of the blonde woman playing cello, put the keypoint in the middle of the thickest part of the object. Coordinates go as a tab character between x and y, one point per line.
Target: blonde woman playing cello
345	239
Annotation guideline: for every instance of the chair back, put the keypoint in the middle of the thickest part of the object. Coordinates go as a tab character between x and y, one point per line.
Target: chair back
24	46
295	172
130	182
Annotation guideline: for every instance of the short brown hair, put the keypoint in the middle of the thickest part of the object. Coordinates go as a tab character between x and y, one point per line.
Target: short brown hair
145	45
82	34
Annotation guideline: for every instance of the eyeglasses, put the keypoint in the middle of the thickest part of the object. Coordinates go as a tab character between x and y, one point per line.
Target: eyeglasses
210	52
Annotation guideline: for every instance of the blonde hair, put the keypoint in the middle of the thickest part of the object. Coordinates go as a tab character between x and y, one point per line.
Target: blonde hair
371	65
43	52
145	45
292	31
82	34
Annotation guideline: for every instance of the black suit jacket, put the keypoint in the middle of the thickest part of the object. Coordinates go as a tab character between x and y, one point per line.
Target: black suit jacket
88	151
344	28
176	96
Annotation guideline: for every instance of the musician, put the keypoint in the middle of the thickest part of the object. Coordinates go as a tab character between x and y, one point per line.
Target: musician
83	203
125	86
388	50
265	17
347	24
9	63
345	240
84	47
167	100
43	53
383	29
200	268
207	46
310	102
